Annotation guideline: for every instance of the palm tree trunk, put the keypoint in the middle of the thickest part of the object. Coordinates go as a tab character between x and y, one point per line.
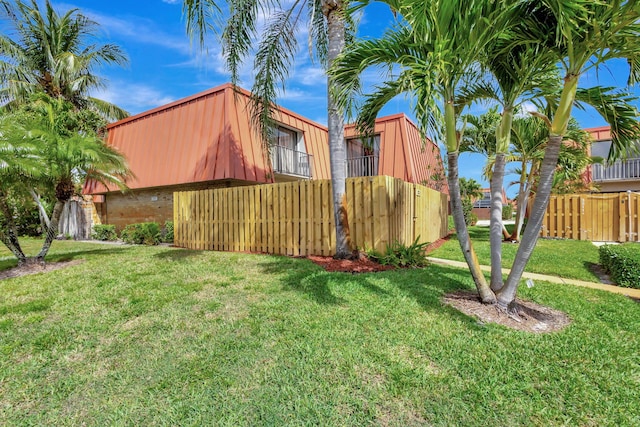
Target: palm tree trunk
52	230
495	222
508	293
333	12
486	295
10	236
523	196
44	218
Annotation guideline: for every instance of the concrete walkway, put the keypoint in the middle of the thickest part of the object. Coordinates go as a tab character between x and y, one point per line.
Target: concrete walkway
630	292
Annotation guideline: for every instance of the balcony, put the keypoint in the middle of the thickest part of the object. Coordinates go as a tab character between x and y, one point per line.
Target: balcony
362	166
287	161
618	171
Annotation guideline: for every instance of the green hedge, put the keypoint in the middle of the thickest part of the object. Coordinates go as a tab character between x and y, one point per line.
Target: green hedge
144	233
104	232
622	262
167	232
507	212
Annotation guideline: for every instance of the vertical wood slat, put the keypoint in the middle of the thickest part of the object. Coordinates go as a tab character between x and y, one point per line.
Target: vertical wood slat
297	218
594	217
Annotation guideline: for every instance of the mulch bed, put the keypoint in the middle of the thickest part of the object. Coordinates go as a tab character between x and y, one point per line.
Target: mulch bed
360	262
528	316
28	269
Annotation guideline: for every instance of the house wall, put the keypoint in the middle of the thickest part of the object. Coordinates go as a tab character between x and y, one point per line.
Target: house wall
203	138
405	154
148	205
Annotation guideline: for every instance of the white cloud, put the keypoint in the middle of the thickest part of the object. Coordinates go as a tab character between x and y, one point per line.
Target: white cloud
171	1
133	97
311	76
139	29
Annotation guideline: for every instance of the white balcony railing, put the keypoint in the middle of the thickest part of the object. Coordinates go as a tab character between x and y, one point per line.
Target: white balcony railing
362	166
617	171
291	162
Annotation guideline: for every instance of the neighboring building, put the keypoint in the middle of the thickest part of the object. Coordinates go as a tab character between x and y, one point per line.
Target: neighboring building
482	207
621	175
207	141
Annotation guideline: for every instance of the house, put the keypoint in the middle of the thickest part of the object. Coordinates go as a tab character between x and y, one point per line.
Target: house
206	141
611	177
482	207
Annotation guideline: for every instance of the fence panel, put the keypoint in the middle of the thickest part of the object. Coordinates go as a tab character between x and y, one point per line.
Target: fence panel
296	218
606	217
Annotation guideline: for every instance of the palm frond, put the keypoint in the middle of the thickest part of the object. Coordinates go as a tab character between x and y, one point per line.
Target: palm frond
617	108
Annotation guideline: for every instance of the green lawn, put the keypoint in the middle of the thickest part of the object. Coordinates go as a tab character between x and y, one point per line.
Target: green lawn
570	259
161	336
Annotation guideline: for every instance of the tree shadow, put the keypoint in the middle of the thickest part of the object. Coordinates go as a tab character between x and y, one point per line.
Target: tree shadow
176	254
598	272
303	276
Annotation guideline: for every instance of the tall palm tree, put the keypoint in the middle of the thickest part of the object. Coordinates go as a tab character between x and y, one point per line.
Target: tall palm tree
66	156
439	44
518	73
437	48
53	53
583	35
329	30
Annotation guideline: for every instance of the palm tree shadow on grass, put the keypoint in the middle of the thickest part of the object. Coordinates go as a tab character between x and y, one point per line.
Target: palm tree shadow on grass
11	262
302	276
427	286
177	254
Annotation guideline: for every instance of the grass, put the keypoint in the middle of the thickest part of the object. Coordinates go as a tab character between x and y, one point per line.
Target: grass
162	336
569	259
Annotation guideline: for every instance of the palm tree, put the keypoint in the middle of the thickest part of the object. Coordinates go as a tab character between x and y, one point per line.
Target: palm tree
19	160
529	136
66	156
329	29
53	53
583	36
518	73
438	48
439	44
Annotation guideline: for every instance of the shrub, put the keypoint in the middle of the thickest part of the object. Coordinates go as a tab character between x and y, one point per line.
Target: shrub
167	232
147	233
622	262
467	208
104	232
400	255
507	212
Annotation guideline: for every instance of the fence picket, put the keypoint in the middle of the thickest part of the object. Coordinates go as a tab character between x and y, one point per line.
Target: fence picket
297	218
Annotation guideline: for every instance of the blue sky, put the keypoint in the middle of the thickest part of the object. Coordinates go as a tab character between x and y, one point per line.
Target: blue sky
164	66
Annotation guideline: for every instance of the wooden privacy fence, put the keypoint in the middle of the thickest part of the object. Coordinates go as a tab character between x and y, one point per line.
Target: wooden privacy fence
296	218
606	217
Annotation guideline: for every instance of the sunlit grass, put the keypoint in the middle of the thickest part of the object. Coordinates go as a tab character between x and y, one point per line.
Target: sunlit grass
163	336
563	258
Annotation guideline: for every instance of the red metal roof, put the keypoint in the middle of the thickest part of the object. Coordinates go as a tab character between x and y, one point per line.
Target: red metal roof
204	137
601	133
209	136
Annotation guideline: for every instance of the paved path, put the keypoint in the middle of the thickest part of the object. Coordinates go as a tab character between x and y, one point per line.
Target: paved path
630	292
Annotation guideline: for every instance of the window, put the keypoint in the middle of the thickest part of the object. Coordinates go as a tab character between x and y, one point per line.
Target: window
288	153
362	156
284	137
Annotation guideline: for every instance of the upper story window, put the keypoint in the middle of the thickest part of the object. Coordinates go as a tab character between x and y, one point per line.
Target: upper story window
362	156
288	153
288	138
357	147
